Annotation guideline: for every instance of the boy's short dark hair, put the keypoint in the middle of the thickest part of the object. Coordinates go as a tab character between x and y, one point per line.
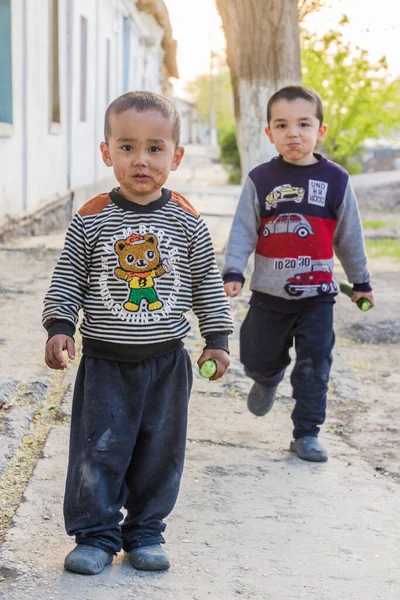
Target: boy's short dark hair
141	102
292	92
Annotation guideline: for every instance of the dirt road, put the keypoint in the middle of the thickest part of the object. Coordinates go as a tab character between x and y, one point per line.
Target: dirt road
252	521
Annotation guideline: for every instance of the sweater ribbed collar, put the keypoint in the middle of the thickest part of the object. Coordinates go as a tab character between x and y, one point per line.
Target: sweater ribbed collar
118	199
322	162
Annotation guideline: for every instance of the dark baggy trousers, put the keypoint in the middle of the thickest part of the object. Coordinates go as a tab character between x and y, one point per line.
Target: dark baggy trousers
265	339
127	448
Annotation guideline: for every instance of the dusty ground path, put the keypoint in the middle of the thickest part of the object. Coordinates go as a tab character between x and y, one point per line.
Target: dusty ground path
252	521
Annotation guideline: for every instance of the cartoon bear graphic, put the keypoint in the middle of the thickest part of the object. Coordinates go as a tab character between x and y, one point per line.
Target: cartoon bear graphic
140	263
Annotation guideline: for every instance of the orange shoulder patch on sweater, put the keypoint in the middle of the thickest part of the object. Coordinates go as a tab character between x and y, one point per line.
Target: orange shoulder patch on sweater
95	205
184	204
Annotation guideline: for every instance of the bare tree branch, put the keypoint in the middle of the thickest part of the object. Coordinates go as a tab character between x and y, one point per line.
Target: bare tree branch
308	6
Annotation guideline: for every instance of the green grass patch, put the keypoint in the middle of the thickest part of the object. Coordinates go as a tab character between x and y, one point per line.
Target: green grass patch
385	248
374	224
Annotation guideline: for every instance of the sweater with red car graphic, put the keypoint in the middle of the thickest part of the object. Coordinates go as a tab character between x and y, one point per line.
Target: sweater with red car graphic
295	218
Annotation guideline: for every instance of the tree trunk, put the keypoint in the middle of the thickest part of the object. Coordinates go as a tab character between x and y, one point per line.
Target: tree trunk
263	55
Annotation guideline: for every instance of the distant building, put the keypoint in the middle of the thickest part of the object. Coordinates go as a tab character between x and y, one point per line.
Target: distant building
60	67
189	124
382	155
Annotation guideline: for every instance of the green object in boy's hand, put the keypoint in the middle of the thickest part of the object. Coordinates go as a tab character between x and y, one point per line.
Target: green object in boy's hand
208	369
363	303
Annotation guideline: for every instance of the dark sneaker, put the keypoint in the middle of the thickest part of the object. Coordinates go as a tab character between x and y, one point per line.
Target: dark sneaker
309	448
261	399
88	560
149	558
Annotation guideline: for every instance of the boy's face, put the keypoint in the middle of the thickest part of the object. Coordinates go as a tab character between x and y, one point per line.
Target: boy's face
142	152
294	129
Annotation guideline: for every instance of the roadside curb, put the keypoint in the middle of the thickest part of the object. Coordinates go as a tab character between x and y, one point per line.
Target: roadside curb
16	476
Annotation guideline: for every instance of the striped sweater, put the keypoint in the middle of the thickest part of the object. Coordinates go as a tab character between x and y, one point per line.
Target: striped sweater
135	270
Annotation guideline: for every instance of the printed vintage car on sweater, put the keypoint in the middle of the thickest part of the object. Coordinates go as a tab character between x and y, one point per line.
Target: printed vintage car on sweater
289	223
319	279
284	193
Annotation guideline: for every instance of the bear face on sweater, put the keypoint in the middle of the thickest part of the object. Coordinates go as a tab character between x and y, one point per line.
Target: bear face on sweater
137	254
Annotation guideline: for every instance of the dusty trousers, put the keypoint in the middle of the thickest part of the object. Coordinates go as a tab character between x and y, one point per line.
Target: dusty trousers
266	337
127	449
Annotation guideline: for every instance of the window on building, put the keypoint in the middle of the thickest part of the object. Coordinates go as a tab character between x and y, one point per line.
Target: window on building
108	71
83	80
6	108
54	64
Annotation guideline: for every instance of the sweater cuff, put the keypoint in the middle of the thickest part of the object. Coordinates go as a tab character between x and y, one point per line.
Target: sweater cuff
232	276
217	341
60	327
362	287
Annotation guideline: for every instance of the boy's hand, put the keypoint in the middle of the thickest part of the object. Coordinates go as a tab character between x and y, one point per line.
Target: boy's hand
54	351
233	288
369	295
221	358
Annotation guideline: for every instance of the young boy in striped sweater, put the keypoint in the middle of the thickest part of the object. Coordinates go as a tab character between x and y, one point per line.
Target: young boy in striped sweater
135	260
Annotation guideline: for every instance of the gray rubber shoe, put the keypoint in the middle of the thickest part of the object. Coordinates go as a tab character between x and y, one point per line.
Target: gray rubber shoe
149	558
309	448
88	560
261	399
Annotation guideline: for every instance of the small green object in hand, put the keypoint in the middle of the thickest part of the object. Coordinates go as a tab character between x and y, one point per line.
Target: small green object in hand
363	303
208	369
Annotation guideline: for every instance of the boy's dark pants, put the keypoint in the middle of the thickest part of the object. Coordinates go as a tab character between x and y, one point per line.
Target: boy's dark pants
265	339
127	448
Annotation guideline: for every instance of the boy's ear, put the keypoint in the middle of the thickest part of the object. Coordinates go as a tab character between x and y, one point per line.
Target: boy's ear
269	134
105	153
179	152
322	132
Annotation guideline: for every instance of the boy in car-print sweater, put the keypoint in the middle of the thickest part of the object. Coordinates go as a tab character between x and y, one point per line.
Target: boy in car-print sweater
295	212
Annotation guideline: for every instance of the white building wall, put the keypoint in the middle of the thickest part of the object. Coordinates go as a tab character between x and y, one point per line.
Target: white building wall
109	16
150	54
11	188
41	162
83	131
136	68
188	115
46	144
